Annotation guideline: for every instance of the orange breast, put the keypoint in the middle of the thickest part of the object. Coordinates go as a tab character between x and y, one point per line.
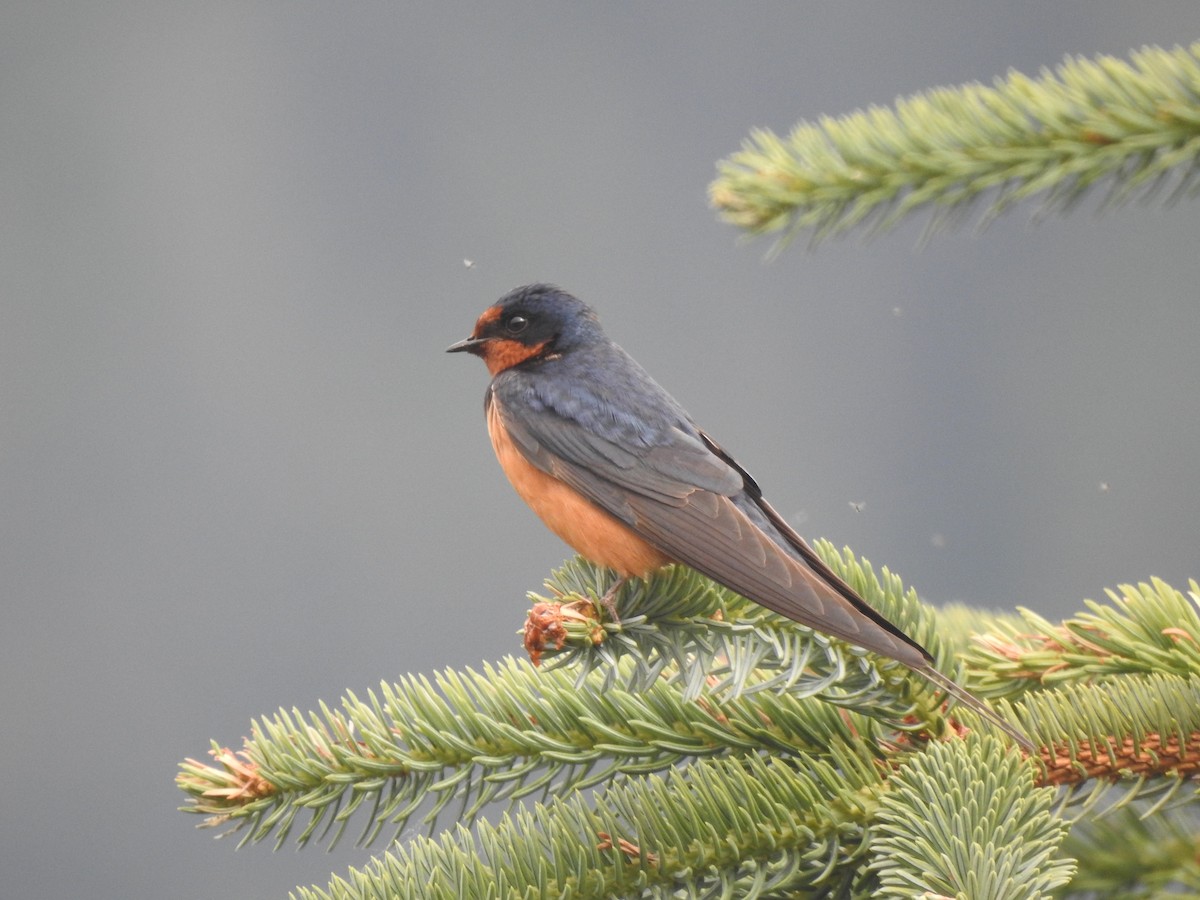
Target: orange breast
592	532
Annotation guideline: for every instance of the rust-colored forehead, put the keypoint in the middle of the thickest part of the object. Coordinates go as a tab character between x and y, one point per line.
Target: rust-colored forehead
490	315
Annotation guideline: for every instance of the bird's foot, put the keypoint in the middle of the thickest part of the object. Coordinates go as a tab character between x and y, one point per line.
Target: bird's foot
609	600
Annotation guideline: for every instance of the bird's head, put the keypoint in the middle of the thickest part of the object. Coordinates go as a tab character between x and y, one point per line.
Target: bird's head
531	323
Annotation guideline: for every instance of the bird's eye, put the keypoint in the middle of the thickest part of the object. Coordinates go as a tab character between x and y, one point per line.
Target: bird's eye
515	324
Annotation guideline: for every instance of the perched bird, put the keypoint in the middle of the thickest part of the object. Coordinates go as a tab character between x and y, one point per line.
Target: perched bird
616	468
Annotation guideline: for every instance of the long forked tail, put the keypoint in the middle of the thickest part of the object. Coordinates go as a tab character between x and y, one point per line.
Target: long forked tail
968	699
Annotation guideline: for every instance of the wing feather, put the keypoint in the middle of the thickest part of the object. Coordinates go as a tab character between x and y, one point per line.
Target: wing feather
680	496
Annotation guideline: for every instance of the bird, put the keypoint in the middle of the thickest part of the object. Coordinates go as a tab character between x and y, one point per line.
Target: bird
615	466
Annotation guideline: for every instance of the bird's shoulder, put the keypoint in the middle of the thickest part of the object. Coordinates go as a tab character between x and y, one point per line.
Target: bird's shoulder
601	389
600	410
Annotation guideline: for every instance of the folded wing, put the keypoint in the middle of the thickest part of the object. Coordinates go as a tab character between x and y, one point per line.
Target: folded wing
683	494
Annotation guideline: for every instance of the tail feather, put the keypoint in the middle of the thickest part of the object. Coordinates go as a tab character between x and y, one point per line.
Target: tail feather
968	699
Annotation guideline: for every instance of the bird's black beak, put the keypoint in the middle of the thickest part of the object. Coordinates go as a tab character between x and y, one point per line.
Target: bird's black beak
470	345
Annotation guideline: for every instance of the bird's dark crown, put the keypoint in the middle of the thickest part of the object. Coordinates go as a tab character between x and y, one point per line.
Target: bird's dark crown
540	317
548	313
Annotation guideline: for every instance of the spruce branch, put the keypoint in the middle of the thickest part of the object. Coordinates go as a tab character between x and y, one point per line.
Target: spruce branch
700	636
964	819
682	626
1139	732
1131	856
511	731
478	738
1133	124
717	828
1145	628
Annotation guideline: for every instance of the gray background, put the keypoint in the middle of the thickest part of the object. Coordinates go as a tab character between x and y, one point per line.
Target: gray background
238	473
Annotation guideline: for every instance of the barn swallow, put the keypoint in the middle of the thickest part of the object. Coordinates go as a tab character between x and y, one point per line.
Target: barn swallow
616	468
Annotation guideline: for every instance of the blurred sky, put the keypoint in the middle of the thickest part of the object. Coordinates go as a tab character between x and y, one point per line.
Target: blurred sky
237	472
